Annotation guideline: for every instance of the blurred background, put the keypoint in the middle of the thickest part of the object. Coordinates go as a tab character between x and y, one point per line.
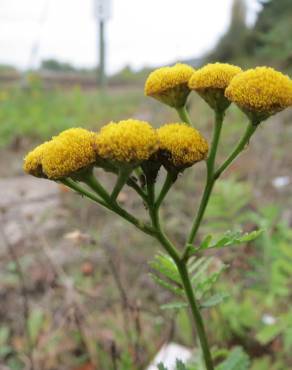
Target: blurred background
75	287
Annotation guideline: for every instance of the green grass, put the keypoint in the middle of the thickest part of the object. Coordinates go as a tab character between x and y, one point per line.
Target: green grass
39	114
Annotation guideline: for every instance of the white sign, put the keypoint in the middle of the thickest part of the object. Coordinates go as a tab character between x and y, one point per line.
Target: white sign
102	9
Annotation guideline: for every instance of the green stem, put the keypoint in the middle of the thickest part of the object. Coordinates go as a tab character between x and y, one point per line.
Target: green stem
95	185
160	235
184	115
110	205
182	268
214	175
79	189
137	188
147	229
219	116
238	149
165	188
123	176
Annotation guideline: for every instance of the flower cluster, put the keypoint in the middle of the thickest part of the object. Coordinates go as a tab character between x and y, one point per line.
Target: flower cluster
211	81
181	145
170	84
261	92
129	142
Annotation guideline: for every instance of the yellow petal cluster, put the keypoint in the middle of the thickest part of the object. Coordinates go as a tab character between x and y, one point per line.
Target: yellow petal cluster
166	78
262	90
70	151
127	141
33	160
183	144
214	76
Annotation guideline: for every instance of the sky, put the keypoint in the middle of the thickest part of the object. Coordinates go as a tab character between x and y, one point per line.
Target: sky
139	32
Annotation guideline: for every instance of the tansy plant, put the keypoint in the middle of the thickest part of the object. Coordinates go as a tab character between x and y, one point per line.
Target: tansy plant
136	152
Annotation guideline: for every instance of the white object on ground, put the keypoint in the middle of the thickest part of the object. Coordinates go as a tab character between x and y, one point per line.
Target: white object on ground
168	354
268	319
281	181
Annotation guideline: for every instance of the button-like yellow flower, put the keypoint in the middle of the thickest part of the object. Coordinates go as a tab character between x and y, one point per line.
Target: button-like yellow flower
33	160
170	84
128	141
260	92
73	150
180	145
211	81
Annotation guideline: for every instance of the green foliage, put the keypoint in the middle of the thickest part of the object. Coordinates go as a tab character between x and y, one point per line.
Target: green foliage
203	273
227	207
228	239
5	348
236	360
35	324
39	114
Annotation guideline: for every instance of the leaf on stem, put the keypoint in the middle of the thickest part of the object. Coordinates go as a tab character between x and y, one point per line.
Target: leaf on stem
214	300
237	360
228	239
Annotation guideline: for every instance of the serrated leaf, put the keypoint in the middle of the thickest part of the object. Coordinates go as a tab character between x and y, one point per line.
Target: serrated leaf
206	242
207	283
229	239
237	360
174	289
198	268
166	266
174	306
214	300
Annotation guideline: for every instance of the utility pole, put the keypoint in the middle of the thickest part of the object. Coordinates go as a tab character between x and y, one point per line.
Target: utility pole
102	14
102	76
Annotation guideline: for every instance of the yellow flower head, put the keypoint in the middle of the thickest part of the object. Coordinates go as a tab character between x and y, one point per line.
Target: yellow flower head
33	160
128	141
170	84
71	151
181	145
211	81
260	92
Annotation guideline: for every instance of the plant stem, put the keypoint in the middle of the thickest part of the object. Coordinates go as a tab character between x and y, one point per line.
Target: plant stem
238	149
111	205
136	187
79	189
165	188
121	181
184	115
160	235
182	268
212	175
210	179
95	185
219	116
